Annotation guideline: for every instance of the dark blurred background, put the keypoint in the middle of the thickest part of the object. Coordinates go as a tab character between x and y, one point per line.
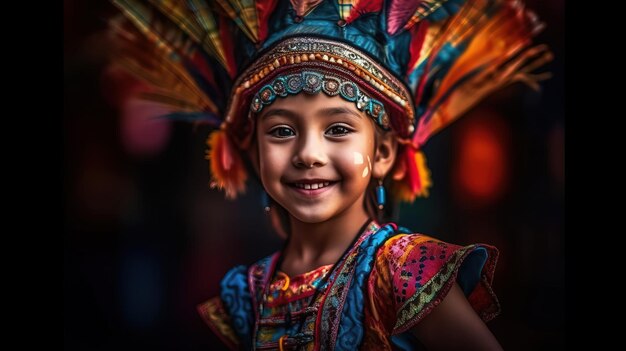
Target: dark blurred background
146	240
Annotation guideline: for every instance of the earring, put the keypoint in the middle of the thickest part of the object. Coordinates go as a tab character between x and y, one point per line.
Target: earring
380	195
265	201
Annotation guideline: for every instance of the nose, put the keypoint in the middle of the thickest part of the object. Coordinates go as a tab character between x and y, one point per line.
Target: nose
310	152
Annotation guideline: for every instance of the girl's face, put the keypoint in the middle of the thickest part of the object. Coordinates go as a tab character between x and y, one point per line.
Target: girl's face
315	155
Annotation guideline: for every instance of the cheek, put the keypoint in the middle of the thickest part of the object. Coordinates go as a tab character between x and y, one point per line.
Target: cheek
361	158
356	162
271	159
359	162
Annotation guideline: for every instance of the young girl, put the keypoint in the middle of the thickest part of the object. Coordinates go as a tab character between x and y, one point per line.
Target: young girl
329	103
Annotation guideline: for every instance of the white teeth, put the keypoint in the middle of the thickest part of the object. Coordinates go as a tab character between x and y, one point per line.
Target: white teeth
312	186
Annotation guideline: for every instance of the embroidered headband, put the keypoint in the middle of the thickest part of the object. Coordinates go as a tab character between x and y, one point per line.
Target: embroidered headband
312	82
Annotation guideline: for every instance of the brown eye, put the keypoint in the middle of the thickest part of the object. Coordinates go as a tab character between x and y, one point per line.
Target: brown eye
338	131
282	132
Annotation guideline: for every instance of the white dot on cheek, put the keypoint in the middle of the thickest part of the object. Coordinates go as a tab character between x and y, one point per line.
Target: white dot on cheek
365	172
369	162
358	158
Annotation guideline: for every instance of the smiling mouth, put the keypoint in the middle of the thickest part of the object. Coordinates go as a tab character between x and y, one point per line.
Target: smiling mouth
312	186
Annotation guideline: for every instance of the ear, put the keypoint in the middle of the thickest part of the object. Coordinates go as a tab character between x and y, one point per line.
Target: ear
385	154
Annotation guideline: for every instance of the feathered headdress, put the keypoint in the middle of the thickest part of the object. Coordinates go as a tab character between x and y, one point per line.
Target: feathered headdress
413	66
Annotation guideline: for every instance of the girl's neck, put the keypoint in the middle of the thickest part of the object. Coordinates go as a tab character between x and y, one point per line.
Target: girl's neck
312	245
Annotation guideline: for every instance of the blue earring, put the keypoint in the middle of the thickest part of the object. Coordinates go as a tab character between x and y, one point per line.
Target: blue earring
380	195
265	201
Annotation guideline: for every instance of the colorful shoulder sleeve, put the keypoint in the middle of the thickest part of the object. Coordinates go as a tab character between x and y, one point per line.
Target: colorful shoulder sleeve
413	273
214	314
230	314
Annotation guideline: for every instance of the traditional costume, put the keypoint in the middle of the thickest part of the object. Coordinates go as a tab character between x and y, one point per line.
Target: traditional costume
412	66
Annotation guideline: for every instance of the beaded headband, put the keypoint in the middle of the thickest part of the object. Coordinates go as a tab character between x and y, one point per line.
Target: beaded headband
312	82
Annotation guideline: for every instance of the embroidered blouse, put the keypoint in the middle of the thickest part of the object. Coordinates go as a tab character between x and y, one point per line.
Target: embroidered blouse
387	281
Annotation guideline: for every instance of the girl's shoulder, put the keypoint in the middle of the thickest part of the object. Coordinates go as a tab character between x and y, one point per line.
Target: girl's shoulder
409	248
410	251
413	272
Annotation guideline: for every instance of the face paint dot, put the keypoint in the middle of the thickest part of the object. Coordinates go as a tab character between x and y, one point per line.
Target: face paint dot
358	158
365	172
369	162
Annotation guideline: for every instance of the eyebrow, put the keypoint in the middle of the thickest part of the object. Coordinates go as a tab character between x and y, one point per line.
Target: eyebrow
279	112
330	111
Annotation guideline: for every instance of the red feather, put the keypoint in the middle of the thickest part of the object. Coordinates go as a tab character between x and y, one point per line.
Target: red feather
400	11
303	7
363	7
418	33
264	9
226	36
412	171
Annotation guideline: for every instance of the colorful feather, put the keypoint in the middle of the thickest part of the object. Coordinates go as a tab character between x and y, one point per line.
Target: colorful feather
400	11
212	41
144	20
448	42
227	168
497	56
170	87
418	39
411	175
243	13
359	8
170	78
264	9
228	47
164	58
303	7
434	10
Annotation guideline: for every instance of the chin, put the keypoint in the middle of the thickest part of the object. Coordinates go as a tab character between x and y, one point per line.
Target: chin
310	215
